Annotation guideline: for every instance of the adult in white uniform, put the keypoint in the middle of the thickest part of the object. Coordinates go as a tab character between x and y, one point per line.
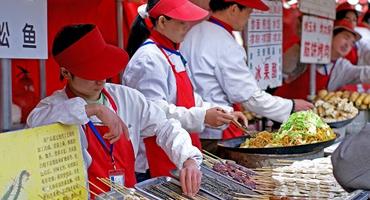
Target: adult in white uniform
336	74
218	66
158	70
364	27
360	54
86	61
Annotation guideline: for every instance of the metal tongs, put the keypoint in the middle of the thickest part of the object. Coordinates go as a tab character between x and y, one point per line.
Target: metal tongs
240	126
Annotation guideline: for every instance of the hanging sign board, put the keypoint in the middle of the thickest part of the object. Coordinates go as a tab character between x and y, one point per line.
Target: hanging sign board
23	29
323	8
264	45
42	163
316	40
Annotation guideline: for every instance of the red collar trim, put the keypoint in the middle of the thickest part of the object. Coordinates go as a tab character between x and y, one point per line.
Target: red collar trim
364	25
221	23
163	41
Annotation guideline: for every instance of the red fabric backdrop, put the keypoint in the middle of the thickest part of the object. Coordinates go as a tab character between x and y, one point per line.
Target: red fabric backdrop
63	12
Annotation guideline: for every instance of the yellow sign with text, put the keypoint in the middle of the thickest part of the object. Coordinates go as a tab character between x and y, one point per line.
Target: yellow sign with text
42	163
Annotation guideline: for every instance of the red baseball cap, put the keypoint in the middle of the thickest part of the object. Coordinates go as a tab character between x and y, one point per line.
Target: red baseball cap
91	58
347	25
182	10
256	4
346	7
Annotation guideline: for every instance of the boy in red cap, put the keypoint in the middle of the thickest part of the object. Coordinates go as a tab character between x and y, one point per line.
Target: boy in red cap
218	67
336	74
105	111
158	70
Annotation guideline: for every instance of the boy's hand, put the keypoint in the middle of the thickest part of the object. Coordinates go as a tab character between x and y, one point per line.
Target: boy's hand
110	119
239	116
190	178
217	117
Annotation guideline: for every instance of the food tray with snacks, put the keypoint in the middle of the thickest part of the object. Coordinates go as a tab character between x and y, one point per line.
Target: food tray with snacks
167	188
335	110
303	132
359	100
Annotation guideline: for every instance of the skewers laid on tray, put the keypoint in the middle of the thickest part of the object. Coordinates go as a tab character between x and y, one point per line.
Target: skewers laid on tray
229	169
169	189
119	192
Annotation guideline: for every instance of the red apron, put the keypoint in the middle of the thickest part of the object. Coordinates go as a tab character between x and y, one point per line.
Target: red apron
232	131
159	163
120	155
300	88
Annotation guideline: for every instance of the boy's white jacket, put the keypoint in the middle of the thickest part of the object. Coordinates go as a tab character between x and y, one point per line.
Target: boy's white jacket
219	71
143	118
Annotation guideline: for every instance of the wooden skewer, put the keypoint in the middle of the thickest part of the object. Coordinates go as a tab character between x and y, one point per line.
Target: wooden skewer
113	186
97	187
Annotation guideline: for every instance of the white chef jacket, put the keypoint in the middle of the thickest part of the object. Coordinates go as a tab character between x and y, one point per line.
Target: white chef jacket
344	73
363	51
363	46
143	118
219	71
150	72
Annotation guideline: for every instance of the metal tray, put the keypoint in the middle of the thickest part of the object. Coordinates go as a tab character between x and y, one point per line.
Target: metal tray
114	195
234	145
233	184
143	187
340	124
110	196
219	181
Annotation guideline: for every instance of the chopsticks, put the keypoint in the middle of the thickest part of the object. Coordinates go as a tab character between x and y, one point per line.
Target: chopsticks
240	126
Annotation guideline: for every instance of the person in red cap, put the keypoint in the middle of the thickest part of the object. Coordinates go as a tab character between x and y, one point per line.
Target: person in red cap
158	70
364	27
105	111
336	74
218	67
360	53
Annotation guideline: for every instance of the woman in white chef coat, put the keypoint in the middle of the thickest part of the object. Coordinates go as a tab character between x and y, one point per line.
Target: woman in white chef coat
218	67
158	70
336	74
105	111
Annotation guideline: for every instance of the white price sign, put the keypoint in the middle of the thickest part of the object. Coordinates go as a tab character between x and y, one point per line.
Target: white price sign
23	29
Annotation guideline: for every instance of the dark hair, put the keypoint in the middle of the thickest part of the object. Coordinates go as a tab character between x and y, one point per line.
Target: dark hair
139	31
366	17
342	14
339	30
68	35
220	5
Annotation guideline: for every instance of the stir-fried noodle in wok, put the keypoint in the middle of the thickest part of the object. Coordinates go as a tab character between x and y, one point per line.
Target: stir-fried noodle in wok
301	128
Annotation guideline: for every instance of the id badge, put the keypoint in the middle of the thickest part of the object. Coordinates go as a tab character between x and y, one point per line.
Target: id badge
117	177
